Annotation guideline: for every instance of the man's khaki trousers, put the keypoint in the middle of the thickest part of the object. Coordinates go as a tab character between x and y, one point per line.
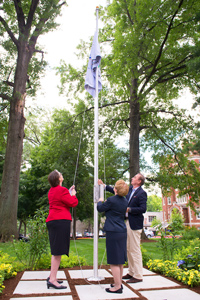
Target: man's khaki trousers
134	254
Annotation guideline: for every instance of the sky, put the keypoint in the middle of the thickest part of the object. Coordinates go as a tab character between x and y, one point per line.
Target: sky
78	21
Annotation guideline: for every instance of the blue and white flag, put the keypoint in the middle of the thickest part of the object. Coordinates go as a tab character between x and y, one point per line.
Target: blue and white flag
94	62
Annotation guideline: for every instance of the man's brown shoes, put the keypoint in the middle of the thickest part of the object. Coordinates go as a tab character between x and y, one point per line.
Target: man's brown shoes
131	279
134	280
127	276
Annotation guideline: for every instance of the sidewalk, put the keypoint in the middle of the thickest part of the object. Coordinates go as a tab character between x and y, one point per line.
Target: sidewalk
32	286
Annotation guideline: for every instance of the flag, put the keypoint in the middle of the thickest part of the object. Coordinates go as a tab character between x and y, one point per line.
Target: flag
94	62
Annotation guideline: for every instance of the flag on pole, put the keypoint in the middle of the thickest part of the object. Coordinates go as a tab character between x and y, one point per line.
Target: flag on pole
94	62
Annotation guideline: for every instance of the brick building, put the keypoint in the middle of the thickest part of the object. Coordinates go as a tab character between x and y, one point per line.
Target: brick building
180	203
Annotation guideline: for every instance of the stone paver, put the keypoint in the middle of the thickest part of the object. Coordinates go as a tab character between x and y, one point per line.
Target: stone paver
38	287
182	294
150	282
31	275
97	292
34	282
86	274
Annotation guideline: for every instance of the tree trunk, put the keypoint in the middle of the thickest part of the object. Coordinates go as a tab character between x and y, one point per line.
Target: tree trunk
12	164
134	131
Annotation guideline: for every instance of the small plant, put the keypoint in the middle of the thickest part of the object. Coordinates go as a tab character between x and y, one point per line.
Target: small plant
6	269
145	256
170	245
29	253
190	233
192	261
170	269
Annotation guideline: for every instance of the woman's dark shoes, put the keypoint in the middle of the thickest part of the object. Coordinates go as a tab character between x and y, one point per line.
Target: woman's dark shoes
119	291
112	285
60	287
58	281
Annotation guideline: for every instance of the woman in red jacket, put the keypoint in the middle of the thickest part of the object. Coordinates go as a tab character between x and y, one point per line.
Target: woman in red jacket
58	223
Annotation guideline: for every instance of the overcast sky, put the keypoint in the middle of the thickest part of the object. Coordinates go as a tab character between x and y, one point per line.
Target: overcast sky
78	22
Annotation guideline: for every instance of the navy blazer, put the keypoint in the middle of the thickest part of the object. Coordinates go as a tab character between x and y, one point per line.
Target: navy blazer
137	207
115	209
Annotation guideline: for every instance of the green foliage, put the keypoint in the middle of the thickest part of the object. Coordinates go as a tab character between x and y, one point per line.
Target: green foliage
29	253
170	245
187	248
145	255
156	223
190	233
170	269
144	67
66	261
176	222
72	260
6	269
59	149
154	203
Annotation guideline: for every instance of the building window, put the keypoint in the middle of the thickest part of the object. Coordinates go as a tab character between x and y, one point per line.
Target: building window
182	199
151	218
198	213
169	201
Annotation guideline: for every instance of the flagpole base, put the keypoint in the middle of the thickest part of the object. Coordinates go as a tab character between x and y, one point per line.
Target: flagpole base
92	278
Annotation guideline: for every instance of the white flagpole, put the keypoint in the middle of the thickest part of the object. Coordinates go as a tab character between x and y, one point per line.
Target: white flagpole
96	139
96	186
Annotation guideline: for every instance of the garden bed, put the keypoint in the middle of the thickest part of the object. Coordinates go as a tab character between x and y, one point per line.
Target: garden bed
10	284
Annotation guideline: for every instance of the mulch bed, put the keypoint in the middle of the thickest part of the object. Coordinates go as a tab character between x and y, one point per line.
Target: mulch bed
10	285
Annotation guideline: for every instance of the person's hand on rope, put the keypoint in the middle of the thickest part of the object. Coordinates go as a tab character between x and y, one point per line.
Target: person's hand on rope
72	190
101	182
100	200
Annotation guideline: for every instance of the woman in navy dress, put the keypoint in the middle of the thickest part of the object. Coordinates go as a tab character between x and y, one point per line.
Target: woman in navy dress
116	234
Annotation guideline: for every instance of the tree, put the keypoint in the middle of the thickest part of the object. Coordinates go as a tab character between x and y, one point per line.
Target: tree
154	203
21	23
60	148
144	68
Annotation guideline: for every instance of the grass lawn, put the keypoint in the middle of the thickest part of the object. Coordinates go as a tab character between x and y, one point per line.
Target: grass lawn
84	248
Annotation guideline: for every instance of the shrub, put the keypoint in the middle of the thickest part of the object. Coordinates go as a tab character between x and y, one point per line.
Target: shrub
145	256
170	269
188	248
6	269
66	262
72	260
190	233
29	253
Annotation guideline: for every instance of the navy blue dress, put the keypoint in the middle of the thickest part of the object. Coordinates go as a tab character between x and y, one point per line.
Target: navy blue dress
115	227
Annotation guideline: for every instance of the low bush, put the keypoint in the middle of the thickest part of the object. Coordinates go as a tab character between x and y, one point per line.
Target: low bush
190	233
29	253
6	269
66	262
170	269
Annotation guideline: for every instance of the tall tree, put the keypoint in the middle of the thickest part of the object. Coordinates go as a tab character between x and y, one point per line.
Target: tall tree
65	145
145	66
21	23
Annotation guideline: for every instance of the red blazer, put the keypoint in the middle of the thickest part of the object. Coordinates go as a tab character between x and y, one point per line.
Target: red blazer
60	202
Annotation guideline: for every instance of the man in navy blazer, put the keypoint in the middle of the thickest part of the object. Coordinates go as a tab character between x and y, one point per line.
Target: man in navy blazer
137	199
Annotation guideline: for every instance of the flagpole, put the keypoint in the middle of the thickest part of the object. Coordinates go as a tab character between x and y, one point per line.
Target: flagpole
93	85
96	138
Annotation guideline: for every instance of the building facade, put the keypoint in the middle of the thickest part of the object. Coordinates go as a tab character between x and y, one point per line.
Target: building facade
173	200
